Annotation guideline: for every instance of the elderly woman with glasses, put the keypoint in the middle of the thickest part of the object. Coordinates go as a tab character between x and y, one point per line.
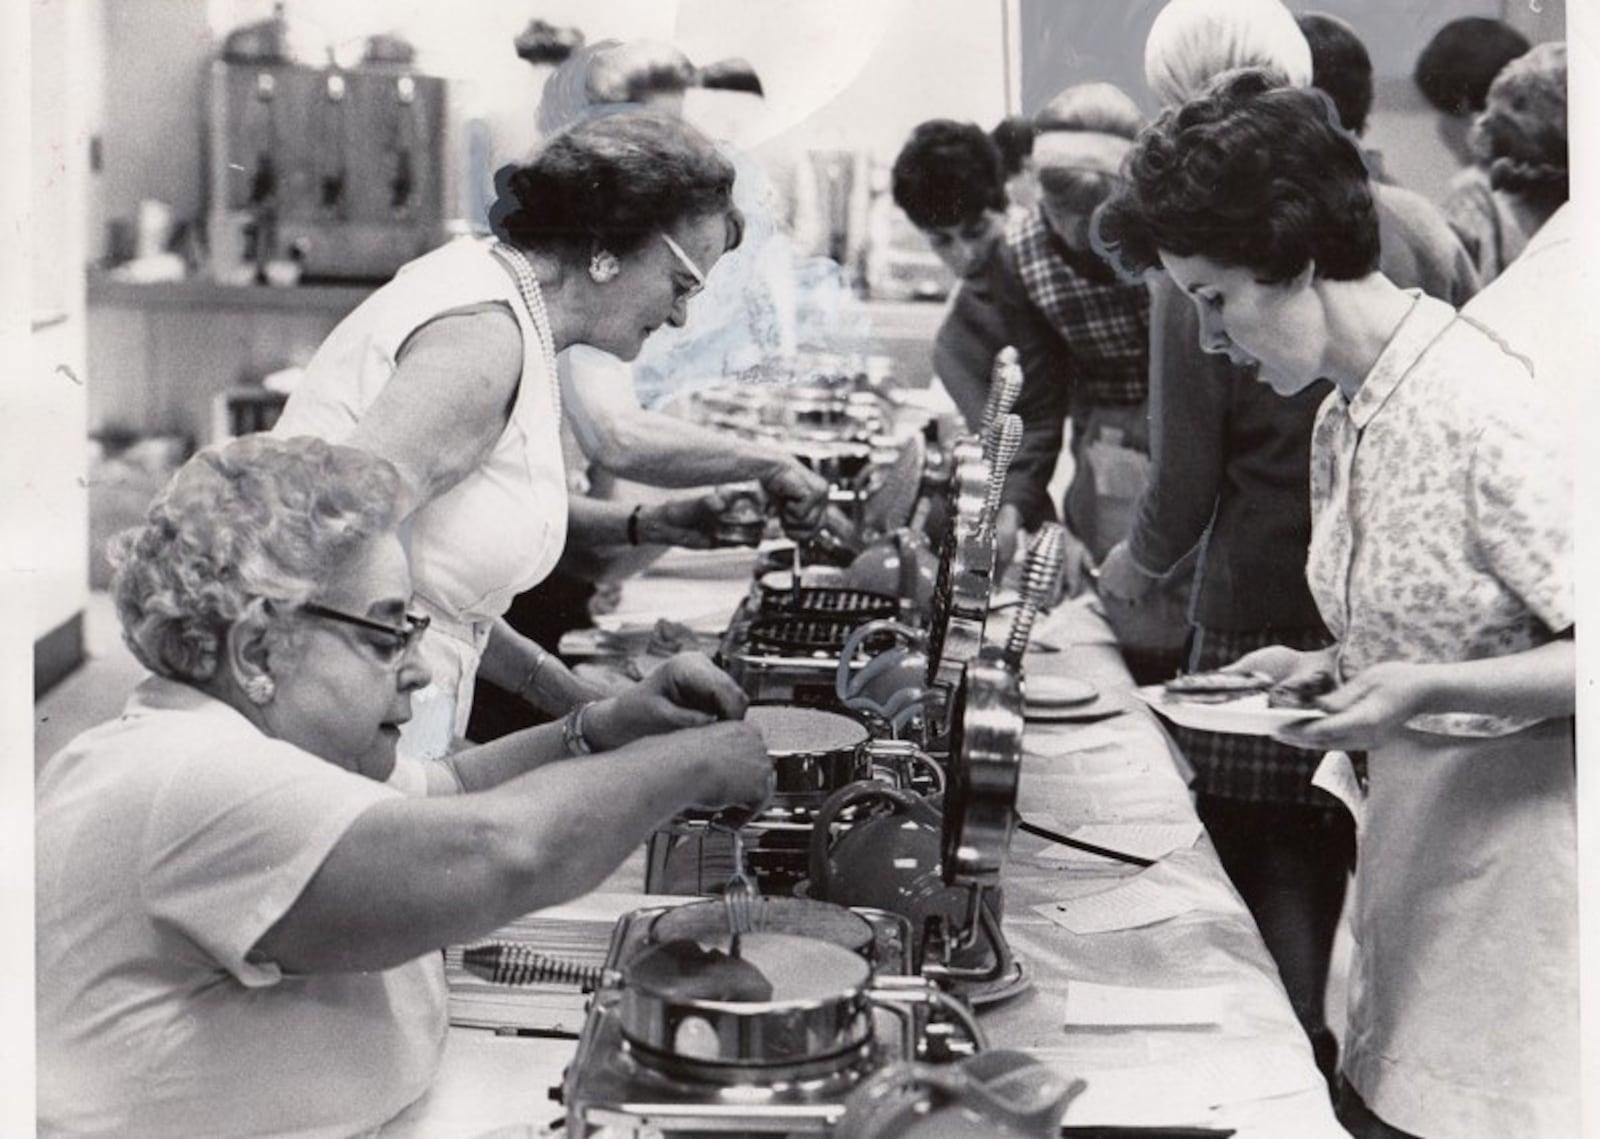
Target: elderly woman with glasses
449	372
1441	561
242	892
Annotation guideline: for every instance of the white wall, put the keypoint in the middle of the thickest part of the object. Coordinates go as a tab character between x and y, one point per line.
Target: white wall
43	402
856	74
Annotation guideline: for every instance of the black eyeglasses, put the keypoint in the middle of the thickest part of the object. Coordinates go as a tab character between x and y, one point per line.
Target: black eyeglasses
400	639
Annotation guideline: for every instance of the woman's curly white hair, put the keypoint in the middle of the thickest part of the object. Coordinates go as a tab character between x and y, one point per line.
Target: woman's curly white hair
251	524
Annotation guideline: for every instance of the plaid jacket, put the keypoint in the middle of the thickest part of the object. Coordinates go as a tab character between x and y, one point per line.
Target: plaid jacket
1105	324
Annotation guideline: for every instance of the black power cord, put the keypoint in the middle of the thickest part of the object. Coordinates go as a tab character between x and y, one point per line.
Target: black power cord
1079	844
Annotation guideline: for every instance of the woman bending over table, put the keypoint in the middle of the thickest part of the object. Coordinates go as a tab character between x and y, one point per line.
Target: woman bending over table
448	371
1441	561
241	891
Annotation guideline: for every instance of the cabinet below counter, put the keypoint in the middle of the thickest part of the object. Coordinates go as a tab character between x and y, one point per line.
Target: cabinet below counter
159	354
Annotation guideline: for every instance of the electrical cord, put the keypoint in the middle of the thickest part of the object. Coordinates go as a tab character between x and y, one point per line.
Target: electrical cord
1078	844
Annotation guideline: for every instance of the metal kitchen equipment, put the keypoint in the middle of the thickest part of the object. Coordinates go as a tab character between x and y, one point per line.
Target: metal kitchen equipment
783	641
900	681
781	651
338	168
814	753
864	856
653	1062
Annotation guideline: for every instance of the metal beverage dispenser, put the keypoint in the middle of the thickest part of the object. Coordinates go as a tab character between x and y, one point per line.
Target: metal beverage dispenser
340	169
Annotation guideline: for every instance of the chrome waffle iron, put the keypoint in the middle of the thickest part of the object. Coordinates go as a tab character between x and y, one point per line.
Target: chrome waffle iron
656	1060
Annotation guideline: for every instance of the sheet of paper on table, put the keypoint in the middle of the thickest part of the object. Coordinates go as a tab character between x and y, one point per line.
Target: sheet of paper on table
1149	897
1093	1005
1195	1091
1089	737
1074	622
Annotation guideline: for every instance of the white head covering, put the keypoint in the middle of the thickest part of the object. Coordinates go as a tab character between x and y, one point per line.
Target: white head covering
1194	41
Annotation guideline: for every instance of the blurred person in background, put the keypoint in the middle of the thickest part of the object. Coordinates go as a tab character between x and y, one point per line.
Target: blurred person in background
449	371
1341	68
1083	340
243	889
949	180
1441	557
1454	71
1231	476
1520	138
1013	137
1540	304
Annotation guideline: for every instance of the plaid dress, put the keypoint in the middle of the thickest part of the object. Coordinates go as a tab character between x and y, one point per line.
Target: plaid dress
1255	769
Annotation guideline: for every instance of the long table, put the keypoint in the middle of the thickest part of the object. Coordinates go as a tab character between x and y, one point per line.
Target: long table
1216	1043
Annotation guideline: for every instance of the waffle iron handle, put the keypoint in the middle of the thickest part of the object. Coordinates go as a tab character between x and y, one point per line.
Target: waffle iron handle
899	759
903	995
846	686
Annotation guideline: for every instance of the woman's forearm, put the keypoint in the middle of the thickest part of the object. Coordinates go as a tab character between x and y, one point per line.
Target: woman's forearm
1537	684
473	862
481	766
527	670
660	450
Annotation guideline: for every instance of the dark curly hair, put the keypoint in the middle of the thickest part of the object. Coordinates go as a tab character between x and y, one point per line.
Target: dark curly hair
613	181
948	173
1250	174
1341	66
1455	69
1013	138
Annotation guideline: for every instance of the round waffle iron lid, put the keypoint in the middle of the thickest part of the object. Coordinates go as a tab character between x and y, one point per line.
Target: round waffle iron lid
790	730
707	922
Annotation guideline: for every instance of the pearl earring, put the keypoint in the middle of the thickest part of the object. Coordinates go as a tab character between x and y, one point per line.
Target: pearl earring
260	689
603	266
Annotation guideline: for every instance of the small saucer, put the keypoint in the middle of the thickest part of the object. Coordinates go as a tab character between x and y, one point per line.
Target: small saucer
1043	693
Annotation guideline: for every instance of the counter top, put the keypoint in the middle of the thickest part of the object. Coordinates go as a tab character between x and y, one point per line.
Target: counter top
1248	1068
889	319
198	292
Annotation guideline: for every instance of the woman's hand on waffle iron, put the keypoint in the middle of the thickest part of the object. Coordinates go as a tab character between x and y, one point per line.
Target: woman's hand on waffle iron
736	770
799	494
690	521
687	691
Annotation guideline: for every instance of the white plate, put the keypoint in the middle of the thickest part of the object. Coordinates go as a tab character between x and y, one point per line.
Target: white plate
1101	708
1246	716
1047	692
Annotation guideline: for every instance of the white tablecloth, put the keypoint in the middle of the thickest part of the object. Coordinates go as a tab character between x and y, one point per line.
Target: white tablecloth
1251	1069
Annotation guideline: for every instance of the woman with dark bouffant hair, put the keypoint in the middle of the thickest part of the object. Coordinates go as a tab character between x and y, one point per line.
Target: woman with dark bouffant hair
949	178
1441	562
1229	489
448	371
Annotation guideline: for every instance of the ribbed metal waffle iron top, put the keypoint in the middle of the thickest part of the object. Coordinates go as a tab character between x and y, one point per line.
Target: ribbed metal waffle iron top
799	634
857	605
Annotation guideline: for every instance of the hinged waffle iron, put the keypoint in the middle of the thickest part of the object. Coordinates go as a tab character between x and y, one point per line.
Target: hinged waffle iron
785	646
654	1062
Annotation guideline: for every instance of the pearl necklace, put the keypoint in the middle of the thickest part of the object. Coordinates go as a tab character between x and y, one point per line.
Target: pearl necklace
533	299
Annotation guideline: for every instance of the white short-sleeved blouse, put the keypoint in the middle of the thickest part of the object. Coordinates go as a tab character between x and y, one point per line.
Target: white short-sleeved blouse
1441	531
169	841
